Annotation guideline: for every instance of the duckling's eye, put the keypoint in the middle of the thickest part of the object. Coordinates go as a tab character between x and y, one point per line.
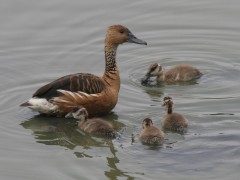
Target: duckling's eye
153	67
121	31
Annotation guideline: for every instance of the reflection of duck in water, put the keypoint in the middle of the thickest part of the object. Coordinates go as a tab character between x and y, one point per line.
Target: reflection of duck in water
171	120
150	134
52	131
178	73
95	126
98	95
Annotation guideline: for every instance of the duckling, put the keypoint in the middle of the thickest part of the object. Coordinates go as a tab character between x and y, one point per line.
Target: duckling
171	120
150	134
178	73
94	126
98	95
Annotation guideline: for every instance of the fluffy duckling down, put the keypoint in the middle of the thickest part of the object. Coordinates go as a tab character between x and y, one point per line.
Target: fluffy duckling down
94	126
178	73
173	121
150	134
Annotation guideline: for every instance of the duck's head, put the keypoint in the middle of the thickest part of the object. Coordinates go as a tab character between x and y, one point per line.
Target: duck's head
118	34
155	69
147	122
80	113
168	103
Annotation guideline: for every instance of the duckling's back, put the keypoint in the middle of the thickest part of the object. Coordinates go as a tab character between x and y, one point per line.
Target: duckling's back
151	135
182	72
174	122
97	127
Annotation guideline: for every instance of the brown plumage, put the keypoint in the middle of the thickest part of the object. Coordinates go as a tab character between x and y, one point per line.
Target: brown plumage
94	126
98	95
150	134
178	73
171	120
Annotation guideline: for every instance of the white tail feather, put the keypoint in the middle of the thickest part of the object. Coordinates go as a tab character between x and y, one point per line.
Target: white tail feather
42	105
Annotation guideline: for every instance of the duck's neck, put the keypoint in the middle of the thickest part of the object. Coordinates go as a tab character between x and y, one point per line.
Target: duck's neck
111	74
110	58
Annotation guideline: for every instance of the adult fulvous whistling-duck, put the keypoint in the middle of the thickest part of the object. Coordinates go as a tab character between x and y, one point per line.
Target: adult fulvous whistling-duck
171	120
178	73
150	134
98	95
94	126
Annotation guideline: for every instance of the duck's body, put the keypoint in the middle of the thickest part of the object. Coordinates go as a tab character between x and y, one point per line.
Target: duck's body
94	126
98	95
150	134
178	73
171	120
60	96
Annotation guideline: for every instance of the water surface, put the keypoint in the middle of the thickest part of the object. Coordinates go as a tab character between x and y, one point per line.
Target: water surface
44	40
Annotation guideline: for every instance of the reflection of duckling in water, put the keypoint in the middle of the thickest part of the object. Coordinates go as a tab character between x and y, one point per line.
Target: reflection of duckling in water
150	134
178	73
95	126
171	120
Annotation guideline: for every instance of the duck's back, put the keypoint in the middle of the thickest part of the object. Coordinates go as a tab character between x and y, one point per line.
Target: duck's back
182	72
83	82
174	121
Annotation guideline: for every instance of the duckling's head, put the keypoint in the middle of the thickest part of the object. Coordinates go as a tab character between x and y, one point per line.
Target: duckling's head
118	34
167	102
147	122
153	70
80	113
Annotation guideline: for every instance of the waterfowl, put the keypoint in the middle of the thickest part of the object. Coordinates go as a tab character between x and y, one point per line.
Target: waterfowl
98	95
150	134
94	126
171	120
178	73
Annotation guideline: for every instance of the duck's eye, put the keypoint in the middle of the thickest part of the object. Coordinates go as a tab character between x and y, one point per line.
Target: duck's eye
121	31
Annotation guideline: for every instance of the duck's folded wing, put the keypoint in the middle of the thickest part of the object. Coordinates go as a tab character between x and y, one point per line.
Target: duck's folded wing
84	82
68	100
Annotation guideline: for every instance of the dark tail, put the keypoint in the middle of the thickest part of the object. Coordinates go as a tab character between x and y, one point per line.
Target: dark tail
25	104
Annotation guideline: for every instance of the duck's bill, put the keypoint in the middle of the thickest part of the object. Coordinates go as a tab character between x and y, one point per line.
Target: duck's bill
134	39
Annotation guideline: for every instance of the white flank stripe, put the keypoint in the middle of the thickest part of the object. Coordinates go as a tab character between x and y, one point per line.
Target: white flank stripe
84	94
79	95
60	100
61	91
72	94
94	95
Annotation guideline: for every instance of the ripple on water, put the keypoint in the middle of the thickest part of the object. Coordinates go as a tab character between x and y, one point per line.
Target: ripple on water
65	38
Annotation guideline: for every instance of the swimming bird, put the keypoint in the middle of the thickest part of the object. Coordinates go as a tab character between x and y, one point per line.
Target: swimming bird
94	126
173	121
178	73
98	95
150	134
